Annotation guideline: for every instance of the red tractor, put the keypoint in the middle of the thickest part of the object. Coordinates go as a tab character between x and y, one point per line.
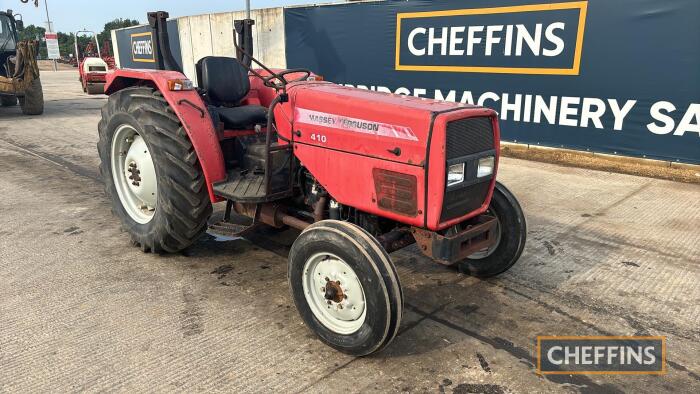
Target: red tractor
360	173
92	68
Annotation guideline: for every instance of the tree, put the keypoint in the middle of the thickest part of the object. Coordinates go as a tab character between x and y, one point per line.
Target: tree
66	41
118	23
32	32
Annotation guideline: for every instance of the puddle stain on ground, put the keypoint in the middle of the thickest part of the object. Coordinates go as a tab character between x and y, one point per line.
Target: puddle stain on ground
191	320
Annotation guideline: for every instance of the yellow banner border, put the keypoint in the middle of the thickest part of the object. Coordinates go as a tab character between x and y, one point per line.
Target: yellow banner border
153	52
574	70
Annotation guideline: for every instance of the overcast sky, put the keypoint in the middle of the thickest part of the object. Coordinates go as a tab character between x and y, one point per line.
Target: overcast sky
72	15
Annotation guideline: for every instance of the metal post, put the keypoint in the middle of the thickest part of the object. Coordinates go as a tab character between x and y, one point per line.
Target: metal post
247	9
48	23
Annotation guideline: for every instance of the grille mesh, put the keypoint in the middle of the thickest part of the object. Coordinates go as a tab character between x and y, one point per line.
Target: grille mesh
462	201
468	136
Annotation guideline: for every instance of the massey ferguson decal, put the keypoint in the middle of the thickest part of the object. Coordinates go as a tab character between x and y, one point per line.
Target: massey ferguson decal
316	118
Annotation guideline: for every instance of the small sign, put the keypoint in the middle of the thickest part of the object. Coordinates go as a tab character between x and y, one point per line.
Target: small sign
142	47
52	45
601	355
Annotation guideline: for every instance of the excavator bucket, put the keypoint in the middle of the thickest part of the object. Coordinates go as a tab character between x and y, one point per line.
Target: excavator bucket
24	69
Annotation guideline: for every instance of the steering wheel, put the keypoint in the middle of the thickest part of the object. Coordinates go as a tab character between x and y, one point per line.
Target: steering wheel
281	80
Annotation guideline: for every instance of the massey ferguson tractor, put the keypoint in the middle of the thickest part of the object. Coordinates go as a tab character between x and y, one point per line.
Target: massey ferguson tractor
361	174
19	72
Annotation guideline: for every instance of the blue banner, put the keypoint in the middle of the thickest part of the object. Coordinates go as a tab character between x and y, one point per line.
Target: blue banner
137	46
618	77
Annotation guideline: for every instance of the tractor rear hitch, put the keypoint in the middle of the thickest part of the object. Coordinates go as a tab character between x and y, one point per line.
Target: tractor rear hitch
450	249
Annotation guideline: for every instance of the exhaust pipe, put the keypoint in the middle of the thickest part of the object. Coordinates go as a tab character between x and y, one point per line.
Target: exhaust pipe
244	36
158	21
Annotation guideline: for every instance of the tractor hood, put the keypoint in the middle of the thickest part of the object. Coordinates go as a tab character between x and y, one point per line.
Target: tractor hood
381	125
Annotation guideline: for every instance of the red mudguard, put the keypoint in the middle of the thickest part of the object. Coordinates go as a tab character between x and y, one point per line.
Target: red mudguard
191	111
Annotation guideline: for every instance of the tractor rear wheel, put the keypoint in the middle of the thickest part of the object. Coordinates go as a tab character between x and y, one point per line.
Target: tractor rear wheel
345	287
8	101
151	171
510	237
32	102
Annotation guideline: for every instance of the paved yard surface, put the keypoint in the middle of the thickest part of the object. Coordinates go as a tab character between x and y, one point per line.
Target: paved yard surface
80	309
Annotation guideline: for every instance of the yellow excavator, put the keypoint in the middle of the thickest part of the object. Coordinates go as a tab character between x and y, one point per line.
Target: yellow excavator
19	72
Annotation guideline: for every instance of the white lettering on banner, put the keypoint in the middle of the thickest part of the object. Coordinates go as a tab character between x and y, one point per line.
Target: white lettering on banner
142	47
450	40
689	123
620	113
597	355
566	110
345	123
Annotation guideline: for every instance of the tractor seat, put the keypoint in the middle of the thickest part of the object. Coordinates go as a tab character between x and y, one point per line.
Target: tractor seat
241	118
225	83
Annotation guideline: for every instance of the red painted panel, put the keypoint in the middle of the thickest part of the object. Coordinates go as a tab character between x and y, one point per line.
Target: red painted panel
346	132
348	179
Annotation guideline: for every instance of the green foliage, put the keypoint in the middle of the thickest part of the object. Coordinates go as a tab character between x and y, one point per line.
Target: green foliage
32	32
118	23
66	41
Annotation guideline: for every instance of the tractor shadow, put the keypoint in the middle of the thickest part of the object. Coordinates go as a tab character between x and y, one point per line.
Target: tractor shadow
463	308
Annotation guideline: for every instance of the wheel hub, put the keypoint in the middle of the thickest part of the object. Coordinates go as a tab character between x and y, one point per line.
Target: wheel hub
134	174
334	293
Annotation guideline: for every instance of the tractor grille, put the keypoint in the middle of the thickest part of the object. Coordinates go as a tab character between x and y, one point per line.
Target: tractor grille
462	201
468	136
466	141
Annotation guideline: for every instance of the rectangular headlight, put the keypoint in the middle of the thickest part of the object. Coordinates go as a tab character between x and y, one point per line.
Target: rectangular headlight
485	167
455	174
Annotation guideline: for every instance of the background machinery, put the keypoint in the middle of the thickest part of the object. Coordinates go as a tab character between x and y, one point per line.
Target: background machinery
19	72
92	68
360	174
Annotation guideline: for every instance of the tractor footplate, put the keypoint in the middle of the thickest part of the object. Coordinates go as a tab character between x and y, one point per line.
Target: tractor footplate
242	187
450	249
245	186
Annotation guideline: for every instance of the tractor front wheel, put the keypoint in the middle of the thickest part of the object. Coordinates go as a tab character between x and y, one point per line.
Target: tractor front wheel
345	287
151	172
511	234
32	102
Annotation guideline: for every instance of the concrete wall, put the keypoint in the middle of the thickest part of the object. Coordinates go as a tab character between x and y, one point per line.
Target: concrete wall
115	48
212	34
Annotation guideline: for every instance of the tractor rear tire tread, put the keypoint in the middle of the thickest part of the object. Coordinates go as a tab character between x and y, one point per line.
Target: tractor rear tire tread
184	206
